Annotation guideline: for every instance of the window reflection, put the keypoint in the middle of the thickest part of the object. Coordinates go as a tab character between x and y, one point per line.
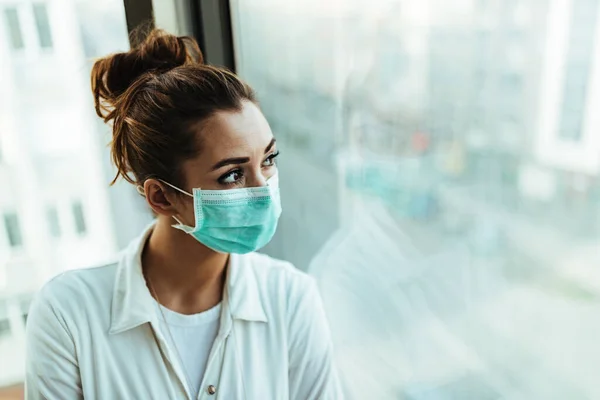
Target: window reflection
444	186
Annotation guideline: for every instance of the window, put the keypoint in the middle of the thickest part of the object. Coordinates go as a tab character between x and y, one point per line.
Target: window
583	26
4	327
42	22
53	221
79	218
25	306
454	246
13	25
13	229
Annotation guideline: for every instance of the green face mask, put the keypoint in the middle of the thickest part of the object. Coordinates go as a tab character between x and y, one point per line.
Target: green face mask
236	221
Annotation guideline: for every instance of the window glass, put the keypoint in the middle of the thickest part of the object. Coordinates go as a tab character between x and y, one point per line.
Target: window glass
439	169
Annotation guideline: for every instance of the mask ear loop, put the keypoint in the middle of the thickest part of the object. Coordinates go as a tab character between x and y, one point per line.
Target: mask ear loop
140	190
178	221
181	191
176	188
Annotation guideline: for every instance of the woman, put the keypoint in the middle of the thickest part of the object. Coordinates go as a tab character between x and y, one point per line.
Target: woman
189	311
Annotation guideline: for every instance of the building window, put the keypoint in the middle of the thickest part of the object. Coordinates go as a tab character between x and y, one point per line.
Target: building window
15	34
42	22
4	327
13	229
53	221
79	217
579	63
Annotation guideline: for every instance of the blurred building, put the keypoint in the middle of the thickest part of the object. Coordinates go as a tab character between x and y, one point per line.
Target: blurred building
55	209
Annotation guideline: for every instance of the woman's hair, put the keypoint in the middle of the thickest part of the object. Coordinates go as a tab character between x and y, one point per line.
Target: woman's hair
157	96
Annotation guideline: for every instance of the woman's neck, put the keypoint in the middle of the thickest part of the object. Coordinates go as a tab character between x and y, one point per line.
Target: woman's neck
185	275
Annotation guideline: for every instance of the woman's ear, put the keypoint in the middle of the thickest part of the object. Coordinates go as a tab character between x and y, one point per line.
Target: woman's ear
161	199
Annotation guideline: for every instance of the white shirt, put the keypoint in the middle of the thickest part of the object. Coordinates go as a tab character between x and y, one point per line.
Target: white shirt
193	337
95	333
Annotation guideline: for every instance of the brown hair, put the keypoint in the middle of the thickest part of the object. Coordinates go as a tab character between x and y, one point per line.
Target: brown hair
157	95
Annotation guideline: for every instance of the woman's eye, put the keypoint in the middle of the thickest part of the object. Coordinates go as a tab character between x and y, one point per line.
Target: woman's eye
231	177
270	161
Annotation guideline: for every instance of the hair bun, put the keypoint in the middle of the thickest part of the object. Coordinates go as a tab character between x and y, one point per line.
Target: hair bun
158	52
162	51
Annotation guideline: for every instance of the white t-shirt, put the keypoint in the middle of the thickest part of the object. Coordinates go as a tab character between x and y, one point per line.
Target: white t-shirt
194	336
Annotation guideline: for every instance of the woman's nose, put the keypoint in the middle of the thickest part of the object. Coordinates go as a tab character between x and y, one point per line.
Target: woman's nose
258	179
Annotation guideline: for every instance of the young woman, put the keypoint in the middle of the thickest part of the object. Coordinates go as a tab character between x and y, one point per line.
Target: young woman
189	311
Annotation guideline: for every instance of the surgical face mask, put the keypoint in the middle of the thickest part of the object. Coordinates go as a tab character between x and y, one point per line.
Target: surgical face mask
237	220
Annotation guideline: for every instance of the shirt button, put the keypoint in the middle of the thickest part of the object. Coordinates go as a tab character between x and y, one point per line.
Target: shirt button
211	390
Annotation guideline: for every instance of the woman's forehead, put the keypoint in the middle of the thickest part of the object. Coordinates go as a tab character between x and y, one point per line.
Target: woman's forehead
235	133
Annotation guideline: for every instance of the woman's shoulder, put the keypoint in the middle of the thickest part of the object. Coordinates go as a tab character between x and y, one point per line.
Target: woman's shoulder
72	293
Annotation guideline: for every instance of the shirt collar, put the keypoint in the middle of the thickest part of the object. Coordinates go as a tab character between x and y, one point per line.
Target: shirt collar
133	305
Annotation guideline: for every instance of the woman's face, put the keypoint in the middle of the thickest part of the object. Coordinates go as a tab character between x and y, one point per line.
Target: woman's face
237	151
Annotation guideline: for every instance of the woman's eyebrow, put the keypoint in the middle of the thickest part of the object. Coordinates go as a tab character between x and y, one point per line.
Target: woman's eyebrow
230	161
239	160
270	146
